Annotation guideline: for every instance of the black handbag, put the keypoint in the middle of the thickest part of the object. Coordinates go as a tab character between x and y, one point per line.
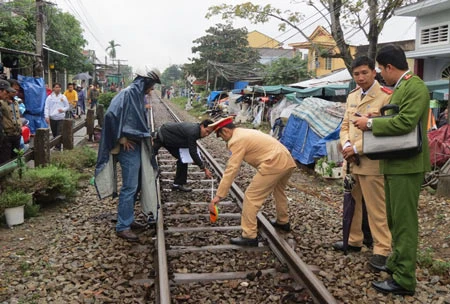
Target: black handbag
392	146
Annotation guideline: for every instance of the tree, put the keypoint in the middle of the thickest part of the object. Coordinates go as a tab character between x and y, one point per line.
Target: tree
286	71
172	74
350	13
112	49
63	33
224	52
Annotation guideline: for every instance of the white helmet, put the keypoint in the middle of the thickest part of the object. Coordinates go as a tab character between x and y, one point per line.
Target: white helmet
154	74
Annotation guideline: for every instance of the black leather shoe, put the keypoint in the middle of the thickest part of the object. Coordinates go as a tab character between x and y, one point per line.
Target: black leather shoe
285	227
378	263
241	241
340	246
390	286
127	235
181	188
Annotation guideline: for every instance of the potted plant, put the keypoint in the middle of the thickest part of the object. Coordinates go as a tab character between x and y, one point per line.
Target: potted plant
12	202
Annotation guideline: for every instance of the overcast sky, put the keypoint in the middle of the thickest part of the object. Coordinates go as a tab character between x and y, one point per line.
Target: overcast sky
160	33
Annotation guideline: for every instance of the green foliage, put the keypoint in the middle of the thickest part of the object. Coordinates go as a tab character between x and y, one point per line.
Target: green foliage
437	267
13	198
425	258
227	48
20	161
31	209
64	34
179	101
17	25
112	49
286	71
106	98
172	74
370	16
198	109
78	159
255	13
325	167
50	179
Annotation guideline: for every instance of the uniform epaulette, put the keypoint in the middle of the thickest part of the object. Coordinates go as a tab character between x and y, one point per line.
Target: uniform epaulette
355	89
407	76
386	90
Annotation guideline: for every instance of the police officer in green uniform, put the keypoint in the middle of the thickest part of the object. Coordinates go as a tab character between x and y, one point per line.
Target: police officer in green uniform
402	177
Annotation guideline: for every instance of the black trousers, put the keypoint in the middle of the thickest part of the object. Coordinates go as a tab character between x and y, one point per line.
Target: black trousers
182	169
56	127
7	146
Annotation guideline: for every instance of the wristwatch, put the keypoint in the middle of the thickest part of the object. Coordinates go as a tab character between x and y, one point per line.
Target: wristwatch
369	124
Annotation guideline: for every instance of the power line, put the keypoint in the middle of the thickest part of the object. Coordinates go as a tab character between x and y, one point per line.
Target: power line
85	23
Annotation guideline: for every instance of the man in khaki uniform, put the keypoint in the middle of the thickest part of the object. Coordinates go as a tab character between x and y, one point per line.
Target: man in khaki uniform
367	98
274	164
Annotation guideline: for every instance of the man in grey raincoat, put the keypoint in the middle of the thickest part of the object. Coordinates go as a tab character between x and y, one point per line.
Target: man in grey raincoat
126	138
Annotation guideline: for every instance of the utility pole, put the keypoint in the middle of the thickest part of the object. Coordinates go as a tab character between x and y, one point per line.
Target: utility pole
38	66
118	65
118	69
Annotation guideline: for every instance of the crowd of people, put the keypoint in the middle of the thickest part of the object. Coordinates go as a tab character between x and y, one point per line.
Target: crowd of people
14	130
388	188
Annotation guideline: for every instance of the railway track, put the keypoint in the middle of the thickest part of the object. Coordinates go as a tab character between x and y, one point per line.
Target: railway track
196	262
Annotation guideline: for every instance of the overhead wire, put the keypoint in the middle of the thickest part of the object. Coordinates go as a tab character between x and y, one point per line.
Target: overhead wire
85	23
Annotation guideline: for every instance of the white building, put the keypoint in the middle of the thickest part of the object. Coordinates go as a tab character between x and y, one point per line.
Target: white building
432	50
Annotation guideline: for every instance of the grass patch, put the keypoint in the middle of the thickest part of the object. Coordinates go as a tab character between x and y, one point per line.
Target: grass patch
436	267
31	210
198	108
263	127
179	101
78	159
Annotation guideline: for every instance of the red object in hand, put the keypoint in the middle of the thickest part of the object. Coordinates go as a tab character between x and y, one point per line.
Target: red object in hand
214	216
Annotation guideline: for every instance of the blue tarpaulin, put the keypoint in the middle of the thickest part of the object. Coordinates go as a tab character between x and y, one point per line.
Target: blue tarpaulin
214	95
35	95
320	148
299	139
240	85
313	122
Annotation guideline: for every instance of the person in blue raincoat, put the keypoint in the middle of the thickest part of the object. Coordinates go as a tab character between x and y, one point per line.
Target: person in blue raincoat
124	131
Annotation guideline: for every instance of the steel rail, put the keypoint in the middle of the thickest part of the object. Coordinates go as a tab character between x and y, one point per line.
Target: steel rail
162	285
298	269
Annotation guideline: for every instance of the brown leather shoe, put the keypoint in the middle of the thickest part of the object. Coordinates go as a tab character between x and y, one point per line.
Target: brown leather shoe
127	235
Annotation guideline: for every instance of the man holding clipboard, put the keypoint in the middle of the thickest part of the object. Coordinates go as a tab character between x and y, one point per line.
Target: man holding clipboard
182	135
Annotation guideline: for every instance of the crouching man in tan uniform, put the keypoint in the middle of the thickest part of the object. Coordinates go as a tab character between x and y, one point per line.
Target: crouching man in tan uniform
274	164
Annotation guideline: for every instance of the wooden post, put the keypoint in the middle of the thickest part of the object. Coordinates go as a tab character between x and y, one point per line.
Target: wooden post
90	123
100	114
67	134
42	147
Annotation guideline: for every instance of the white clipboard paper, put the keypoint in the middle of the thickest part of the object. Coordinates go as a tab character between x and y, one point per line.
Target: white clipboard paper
185	156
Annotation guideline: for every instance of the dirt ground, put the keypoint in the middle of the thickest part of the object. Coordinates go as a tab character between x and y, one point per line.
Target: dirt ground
70	253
